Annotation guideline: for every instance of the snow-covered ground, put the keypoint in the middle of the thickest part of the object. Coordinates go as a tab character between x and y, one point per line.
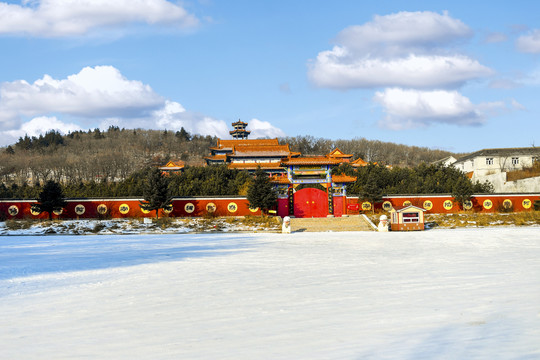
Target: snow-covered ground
136	226
438	294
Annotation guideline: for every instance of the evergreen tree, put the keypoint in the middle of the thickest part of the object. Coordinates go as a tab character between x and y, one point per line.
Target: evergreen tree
156	192
183	135
462	190
371	191
261	193
51	199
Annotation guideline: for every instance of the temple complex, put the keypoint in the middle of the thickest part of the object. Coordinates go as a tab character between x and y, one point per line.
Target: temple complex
305	184
246	154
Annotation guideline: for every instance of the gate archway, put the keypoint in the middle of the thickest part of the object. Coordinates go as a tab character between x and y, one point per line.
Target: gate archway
310	202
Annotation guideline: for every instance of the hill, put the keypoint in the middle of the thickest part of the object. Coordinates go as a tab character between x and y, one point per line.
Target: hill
115	154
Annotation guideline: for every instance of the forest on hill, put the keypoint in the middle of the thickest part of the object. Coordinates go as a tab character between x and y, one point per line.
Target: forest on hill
115	154
372	182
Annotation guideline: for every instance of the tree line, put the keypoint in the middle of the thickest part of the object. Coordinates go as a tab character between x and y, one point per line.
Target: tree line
218	180
95	155
115	154
368	150
215	180
375	180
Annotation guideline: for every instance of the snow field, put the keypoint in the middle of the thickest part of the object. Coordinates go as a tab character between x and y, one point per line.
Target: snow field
445	294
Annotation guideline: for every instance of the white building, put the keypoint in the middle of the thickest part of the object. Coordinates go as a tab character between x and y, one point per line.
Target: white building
492	161
493	164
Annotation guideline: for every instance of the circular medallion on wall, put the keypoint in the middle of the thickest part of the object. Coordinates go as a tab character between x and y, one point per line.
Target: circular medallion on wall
80	209
253	209
407	203
34	212
189	208
102	209
526	203
13	210
467	205
428	205
58	212
387	205
507	204
448	204
232	207
144	211
123	208
488	204
366	205
211	208
168	209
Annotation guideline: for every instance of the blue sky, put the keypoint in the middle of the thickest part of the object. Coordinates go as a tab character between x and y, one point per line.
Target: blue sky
459	76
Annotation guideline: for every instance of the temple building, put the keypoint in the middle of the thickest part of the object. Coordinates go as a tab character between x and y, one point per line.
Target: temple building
239	131
310	189
173	167
248	154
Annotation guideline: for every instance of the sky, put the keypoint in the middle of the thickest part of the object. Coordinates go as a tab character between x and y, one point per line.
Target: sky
458	76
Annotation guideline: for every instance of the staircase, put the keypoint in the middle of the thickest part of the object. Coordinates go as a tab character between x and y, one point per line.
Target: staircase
351	223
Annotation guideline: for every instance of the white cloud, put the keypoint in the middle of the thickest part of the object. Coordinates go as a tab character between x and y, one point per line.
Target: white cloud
173	116
101	91
35	127
403	32
100	95
333	70
407	49
412	108
516	105
58	18
261	129
529	43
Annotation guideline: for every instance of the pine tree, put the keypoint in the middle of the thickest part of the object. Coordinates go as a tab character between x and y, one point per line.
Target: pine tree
371	191
261	193
462	190
51	199
156	192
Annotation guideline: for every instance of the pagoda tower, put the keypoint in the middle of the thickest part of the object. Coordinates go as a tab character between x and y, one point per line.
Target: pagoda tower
239	132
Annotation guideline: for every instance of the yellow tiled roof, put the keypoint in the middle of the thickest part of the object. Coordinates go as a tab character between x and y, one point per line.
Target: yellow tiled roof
254	165
228	144
261	150
311	160
343	178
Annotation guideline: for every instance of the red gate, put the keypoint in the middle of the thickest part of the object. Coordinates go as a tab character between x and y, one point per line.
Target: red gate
310	202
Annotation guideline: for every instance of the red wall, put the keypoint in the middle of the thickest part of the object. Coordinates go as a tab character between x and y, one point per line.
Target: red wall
116	208
225	206
438	202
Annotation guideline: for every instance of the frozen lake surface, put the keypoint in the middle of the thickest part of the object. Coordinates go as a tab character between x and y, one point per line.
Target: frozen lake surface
439	294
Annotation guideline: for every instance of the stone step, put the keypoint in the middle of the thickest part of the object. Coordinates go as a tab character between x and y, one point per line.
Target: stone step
350	223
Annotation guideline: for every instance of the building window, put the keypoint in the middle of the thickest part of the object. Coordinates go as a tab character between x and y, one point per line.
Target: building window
515	161
411	217
489	161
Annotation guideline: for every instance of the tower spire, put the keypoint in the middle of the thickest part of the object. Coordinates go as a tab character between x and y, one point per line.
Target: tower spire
239	131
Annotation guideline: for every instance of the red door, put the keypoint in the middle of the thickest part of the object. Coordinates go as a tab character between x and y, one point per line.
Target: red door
310	202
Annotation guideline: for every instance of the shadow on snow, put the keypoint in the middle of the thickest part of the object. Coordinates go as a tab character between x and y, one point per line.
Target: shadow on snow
29	255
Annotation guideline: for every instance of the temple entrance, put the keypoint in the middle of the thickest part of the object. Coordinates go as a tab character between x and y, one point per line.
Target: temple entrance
310	202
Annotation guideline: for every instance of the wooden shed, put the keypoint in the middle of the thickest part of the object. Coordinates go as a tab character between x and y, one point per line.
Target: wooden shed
407	218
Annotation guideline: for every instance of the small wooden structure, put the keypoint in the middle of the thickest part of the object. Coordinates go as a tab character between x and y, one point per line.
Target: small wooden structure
407	218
